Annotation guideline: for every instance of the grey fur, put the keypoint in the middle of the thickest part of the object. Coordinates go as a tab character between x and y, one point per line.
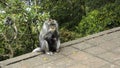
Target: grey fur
46	33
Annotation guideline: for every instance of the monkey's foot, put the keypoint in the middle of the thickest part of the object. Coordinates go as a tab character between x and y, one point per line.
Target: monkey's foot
49	53
58	50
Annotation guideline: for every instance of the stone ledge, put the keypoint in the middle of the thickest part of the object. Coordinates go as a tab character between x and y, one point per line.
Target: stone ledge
18	59
90	37
30	55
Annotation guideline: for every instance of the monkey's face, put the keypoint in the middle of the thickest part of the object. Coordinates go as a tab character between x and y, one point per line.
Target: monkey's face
8	21
52	27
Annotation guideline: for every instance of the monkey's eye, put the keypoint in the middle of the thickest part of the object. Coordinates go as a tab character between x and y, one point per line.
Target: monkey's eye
52	24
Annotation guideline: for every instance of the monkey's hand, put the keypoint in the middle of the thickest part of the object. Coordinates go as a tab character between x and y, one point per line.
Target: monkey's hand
54	39
48	36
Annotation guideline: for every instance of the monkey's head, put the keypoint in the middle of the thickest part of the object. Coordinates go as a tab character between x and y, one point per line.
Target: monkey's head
8	21
52	26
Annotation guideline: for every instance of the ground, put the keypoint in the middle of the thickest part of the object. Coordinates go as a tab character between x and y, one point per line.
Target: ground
101	50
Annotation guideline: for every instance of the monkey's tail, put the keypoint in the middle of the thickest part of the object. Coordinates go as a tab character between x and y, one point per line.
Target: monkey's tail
38	49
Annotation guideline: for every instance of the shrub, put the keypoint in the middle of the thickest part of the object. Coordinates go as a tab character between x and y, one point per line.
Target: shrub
98	20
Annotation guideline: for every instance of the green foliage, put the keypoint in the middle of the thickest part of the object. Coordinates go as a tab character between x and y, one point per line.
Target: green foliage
67	35
101	19
90	24
67	12
96	4
76	18
27	21
111	13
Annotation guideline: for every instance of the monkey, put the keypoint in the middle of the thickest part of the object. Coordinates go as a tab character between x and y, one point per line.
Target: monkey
49	37
9	22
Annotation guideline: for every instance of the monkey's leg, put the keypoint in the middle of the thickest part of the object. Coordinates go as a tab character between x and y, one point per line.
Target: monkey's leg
47	48
43	47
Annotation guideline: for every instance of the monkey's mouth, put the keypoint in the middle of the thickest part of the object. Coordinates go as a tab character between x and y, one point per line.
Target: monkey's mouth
52	30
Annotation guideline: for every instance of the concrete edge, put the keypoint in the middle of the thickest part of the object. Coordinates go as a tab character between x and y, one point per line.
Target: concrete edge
30	55
18	59
90	37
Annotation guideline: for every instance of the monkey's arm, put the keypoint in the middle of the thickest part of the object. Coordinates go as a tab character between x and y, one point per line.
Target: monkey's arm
48	35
